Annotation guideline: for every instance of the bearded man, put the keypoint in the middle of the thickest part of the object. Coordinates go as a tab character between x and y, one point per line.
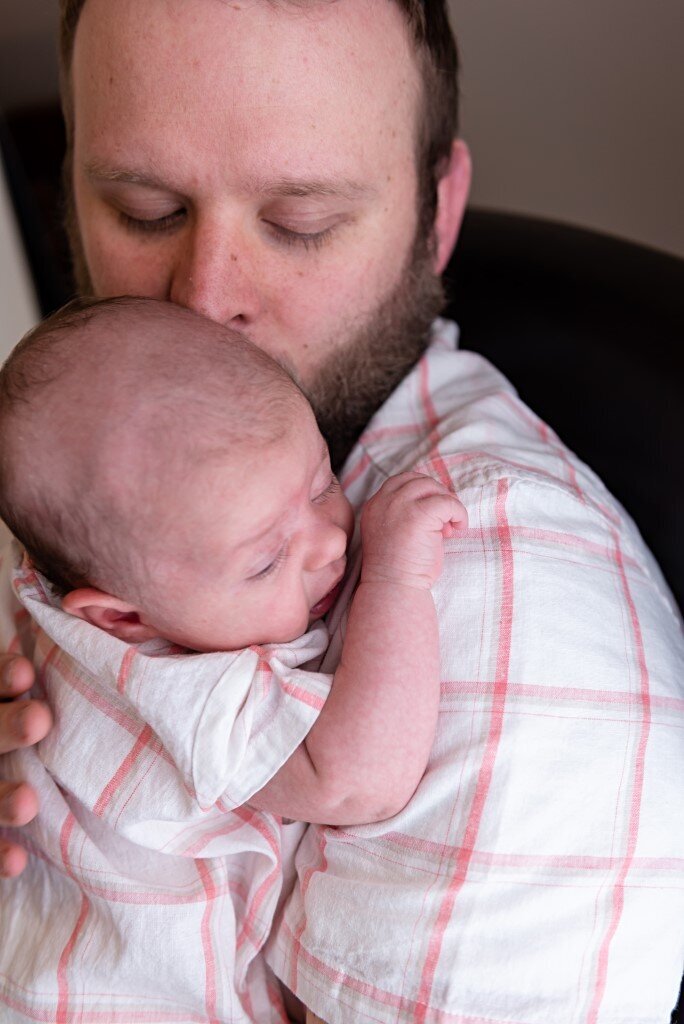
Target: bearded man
292	169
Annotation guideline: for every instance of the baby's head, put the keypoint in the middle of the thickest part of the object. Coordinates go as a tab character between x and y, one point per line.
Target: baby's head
168	477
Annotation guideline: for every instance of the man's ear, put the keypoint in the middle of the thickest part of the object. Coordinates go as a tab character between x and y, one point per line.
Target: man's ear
452	195
106	612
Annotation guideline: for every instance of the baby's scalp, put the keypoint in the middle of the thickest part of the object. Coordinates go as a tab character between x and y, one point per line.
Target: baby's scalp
107	409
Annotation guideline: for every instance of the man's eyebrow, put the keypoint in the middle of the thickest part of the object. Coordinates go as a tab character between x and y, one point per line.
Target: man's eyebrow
343	188
103	172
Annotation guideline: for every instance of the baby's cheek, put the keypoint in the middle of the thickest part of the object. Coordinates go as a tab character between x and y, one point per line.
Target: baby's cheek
294	621
302	623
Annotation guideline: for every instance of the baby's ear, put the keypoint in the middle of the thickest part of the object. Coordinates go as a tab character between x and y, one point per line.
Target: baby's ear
106	612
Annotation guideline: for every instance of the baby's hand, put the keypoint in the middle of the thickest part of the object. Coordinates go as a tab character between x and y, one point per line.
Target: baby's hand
402	528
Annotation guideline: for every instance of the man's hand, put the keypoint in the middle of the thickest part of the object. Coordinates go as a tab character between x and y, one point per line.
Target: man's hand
403	527
22	723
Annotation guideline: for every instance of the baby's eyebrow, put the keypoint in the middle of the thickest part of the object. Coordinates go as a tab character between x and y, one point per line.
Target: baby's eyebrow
262	532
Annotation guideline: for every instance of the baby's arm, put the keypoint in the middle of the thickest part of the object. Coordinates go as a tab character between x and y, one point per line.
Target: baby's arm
368	749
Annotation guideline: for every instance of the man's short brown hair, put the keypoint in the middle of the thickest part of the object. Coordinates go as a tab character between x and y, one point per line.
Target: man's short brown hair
437	56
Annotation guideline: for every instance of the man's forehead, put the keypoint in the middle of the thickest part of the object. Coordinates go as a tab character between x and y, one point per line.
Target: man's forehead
310	98
314	19
268	43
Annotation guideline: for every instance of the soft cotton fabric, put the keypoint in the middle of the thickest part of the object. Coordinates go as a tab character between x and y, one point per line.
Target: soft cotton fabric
537	874
150	888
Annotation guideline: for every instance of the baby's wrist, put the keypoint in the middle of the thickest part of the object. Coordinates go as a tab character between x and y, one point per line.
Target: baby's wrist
392	576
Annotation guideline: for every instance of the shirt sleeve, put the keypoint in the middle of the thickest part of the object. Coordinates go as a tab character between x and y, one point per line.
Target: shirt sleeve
266	714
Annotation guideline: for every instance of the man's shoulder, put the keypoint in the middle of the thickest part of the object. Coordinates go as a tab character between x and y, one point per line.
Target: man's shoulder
456	415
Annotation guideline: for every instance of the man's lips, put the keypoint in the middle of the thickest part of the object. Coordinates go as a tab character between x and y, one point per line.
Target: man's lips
326	603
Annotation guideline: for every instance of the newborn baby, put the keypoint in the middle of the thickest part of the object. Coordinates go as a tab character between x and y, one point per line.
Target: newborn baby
184	535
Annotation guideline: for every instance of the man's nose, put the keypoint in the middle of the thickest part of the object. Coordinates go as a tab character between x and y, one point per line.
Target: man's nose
214	276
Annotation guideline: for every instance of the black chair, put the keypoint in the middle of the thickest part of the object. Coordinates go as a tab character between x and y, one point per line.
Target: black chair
37	205
590	330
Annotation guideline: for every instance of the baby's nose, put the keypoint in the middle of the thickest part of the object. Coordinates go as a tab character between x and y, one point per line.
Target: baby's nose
329	546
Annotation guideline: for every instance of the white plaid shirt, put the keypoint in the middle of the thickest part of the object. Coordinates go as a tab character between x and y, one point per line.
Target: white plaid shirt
537	875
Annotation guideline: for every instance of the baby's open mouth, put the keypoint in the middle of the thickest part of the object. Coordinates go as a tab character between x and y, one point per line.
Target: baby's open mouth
326	603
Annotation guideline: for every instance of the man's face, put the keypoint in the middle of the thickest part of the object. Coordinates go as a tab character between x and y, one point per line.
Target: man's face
261	538
256	162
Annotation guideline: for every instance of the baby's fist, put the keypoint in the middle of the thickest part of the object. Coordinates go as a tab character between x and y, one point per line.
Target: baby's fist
403	526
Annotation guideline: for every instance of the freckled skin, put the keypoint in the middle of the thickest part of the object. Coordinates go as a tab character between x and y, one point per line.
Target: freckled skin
249	115
293	145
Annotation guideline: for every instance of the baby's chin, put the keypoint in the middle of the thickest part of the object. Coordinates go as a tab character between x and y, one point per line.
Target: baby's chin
255	638
283	636
216	641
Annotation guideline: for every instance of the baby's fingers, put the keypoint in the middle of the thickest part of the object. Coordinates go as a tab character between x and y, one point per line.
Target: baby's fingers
457	522
448	510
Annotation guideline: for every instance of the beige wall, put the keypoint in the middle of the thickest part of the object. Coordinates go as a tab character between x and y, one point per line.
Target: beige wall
28	63
18	303
574	109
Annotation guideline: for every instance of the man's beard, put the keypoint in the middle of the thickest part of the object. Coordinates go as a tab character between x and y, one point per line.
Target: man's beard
373	359
371	356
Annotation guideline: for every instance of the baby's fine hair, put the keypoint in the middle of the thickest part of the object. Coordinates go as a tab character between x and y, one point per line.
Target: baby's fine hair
105	404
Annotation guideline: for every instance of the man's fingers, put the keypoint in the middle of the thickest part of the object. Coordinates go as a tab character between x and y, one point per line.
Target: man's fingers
23	723
18	803
12	859
16	675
